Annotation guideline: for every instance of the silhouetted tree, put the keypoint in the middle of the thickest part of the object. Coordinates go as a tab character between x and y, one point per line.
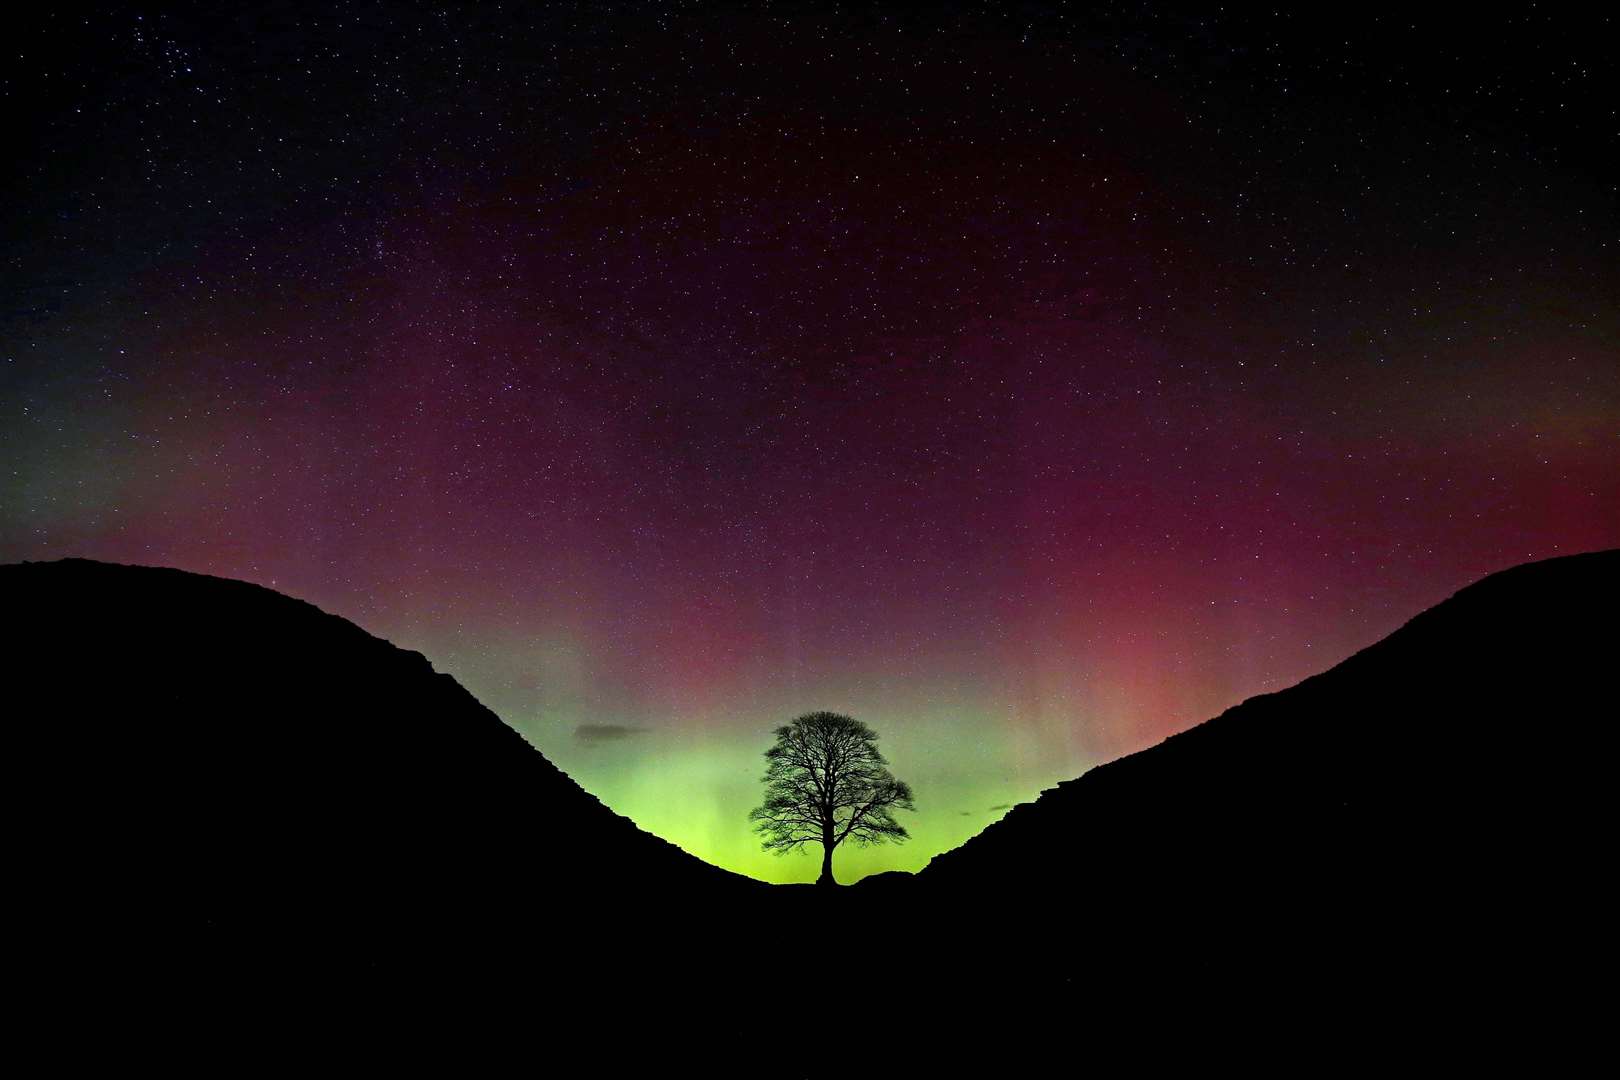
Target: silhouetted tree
825	783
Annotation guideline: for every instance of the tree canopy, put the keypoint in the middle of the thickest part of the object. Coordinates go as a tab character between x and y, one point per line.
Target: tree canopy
825	783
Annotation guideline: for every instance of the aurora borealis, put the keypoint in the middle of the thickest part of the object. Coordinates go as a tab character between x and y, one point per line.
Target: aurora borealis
1028	384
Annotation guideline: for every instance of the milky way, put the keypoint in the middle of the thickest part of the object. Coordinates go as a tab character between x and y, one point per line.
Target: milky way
1028	385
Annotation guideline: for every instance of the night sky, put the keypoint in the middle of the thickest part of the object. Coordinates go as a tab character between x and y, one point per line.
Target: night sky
1029	384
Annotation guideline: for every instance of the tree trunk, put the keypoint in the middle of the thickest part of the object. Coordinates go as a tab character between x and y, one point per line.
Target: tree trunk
826	877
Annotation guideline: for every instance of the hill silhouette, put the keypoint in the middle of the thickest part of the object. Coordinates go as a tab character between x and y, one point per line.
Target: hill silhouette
243	784
1443	790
